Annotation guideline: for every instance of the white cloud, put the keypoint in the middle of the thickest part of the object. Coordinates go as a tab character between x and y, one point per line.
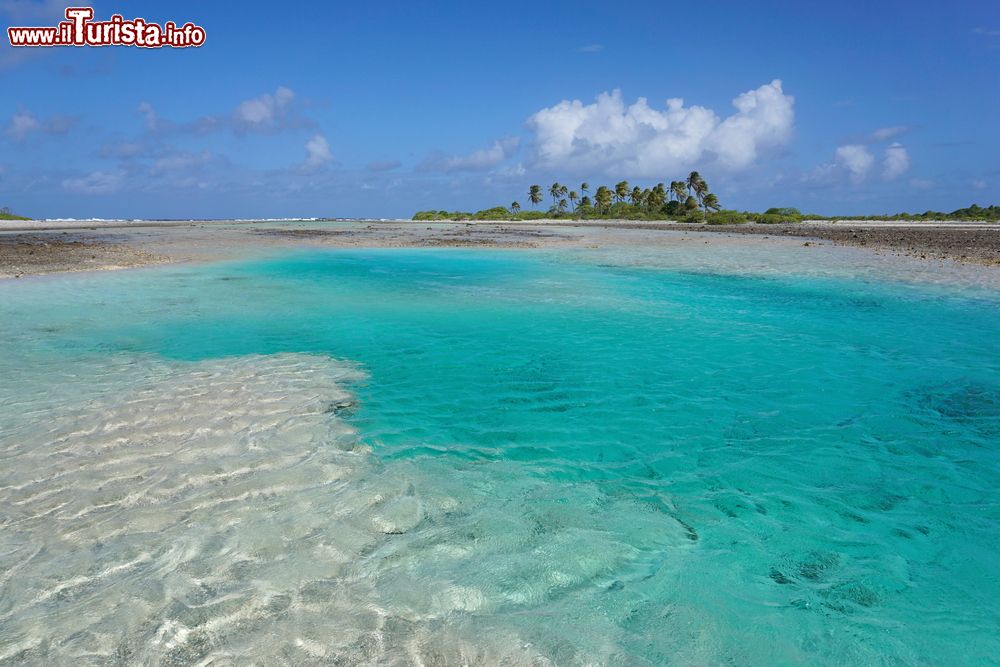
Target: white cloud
96	183
267	113
22	123
483	158
641	141
317	152
853	161
856	159
264	111
591	48
896	162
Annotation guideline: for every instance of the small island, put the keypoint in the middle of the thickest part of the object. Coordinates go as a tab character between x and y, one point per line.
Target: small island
7	214
688	201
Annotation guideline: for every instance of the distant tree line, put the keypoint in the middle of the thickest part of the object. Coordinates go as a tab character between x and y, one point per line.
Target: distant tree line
624	200
687	200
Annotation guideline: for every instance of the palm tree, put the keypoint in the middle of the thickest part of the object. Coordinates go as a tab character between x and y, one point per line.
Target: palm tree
561	206
535	195
692	181
702	189
554	192
697	185
573	197
635	196
621	191
585	202
584	187
678	190
710	202
603	198
657	197
645	197
514	208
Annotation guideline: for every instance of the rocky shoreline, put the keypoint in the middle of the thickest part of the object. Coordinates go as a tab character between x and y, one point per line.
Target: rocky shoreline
39	253
42	250
973	244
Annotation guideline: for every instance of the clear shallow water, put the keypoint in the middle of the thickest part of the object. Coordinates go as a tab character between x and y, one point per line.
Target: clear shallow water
489	457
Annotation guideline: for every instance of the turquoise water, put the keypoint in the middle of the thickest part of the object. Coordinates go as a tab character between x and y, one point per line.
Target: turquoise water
519	457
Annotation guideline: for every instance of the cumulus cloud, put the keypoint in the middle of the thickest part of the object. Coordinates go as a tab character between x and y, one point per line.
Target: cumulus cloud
264	112
267	113
95	183
850	162
856	159
475	161
896	162
317	152
638	140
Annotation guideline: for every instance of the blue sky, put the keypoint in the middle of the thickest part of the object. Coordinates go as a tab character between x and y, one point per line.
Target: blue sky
337	109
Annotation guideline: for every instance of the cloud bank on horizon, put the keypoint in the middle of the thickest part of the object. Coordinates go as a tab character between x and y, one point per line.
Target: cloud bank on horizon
639	141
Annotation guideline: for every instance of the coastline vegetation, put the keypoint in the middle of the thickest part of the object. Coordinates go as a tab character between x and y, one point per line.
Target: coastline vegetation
688	200
7	214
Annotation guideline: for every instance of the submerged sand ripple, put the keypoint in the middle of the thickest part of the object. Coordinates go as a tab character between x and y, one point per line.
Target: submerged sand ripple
220	512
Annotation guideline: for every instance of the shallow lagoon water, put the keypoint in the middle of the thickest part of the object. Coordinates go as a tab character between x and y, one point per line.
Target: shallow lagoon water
483	457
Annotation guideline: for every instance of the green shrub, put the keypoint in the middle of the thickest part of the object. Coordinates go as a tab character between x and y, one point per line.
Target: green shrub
726	218
7	214
495	213
785	212
441	215
769	218
530	215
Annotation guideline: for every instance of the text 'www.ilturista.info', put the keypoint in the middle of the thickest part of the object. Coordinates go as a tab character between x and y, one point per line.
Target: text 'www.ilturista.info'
79	29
